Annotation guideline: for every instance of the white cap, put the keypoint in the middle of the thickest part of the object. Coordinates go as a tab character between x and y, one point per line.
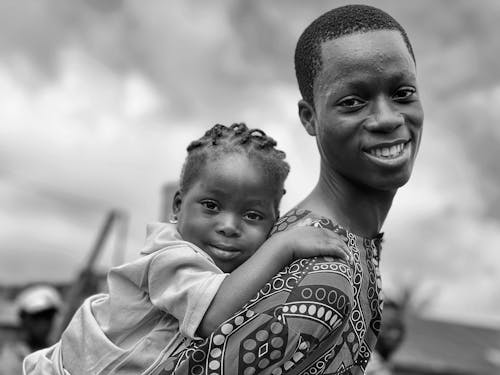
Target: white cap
38	298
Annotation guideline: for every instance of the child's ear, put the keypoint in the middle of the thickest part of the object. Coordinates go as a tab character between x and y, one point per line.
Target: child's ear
307	116
176	202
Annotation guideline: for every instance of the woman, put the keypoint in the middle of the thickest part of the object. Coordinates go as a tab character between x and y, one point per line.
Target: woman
356	72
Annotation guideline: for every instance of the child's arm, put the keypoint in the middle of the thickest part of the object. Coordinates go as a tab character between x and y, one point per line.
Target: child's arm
278	251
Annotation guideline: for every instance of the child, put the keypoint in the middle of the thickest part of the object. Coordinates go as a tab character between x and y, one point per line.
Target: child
196	271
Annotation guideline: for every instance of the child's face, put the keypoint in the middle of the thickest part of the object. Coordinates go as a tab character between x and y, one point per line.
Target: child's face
229	211
367	114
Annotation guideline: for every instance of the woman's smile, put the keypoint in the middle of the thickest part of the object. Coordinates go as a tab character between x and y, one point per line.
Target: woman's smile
390	155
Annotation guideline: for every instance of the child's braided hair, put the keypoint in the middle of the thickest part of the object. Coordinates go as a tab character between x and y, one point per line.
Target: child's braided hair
221	140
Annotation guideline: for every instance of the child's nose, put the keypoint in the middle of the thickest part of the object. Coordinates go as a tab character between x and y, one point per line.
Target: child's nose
229	225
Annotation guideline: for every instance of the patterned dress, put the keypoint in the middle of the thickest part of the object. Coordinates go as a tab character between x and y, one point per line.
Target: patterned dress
318	316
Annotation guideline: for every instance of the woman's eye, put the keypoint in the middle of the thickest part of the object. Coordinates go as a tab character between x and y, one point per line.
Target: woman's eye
253	216
351	102
405	93
210	205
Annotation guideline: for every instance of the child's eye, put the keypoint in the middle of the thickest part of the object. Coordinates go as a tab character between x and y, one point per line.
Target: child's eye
351	103
253	216
210	205
404	93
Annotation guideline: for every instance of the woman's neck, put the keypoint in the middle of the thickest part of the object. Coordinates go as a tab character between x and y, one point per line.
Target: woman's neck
359	209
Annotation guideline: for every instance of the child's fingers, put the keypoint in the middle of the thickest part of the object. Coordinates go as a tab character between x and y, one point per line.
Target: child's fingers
345	254
337	247
321	241
342	253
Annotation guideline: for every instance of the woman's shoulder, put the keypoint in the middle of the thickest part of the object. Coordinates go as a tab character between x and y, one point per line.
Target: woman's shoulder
303	217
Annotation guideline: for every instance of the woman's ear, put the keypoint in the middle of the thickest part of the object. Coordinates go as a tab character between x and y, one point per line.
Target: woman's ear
176	202
307	117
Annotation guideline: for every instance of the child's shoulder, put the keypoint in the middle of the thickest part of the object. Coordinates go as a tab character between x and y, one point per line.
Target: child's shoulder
160	236
164	240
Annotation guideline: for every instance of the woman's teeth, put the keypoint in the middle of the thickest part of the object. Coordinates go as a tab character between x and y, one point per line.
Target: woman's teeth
388	152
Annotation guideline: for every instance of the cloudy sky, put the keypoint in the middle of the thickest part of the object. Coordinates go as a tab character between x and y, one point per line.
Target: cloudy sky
100	98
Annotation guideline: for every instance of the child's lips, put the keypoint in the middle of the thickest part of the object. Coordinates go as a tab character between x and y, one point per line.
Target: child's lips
223	251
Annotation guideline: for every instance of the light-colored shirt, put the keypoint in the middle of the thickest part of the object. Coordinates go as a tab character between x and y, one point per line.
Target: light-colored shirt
154	305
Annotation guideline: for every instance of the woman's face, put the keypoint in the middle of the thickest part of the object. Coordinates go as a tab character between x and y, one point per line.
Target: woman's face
367	115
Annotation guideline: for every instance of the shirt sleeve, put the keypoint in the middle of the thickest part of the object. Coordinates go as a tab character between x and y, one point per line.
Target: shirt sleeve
183	281
46	361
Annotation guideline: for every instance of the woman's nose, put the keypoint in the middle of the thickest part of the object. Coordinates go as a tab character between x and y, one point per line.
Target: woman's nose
385	116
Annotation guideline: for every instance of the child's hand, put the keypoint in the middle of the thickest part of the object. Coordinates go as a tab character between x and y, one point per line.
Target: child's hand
307	242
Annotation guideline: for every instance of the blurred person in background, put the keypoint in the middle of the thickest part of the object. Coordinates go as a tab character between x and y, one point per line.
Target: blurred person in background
37	307
392	333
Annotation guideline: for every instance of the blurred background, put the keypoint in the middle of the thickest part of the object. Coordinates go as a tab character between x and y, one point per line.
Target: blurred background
100	98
